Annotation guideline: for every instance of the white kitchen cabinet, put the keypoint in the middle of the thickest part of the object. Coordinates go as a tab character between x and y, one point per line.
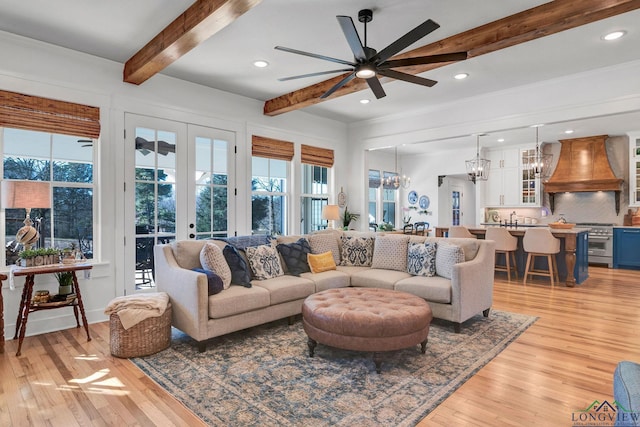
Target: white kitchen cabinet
634	169
510	184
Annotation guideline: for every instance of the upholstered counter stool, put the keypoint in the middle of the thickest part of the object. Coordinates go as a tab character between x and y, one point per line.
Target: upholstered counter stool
539	242
460	231
505	244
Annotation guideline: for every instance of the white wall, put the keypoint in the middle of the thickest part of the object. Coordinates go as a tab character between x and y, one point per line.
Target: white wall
36	68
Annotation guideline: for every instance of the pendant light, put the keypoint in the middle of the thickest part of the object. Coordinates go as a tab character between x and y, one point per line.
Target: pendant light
540	164
477	168
398	180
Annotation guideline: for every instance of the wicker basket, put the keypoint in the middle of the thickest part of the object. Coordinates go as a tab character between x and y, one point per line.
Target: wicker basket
147	337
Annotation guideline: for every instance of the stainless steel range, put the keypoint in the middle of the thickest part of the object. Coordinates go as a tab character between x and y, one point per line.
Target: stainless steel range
600	243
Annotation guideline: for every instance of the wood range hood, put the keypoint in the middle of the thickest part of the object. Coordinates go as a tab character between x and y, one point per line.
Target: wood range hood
583	166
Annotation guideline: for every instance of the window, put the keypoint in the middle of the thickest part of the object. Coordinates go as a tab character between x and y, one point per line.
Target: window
269	196
67	163
389	196
374	190
212	181
315	195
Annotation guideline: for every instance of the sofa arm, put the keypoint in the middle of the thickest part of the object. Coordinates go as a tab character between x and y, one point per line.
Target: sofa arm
188	291
472	283
626	392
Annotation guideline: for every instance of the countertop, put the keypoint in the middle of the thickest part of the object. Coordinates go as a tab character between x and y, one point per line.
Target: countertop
574	230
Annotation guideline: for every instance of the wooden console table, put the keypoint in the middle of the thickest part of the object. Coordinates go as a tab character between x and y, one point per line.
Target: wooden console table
25	303
2	277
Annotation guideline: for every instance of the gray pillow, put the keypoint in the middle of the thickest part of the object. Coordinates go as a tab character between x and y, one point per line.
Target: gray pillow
446	257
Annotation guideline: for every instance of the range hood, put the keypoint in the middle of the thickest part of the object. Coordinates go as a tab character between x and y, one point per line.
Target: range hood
583	166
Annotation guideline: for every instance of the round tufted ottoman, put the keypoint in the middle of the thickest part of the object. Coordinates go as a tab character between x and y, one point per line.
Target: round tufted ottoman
366	319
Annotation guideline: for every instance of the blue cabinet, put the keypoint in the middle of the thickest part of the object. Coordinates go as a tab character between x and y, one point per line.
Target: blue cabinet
626	247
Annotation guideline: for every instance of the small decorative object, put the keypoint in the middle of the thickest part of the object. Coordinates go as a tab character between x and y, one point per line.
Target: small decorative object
386	226
561	225
37	257
65	282
562	219
41	297
424	202
347	217
342	198
413	197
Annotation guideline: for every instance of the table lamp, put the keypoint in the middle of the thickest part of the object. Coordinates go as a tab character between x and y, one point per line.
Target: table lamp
330	213
26	195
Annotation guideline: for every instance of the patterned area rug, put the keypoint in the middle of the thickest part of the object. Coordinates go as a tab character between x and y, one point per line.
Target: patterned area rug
264	376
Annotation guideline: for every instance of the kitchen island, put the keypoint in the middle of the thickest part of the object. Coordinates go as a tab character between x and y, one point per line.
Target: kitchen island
573	254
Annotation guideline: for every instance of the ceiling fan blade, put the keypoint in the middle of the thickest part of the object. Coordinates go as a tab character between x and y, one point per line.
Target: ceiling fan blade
339	85
314	55
407	77
420	60
320	73
376	87
351	34
407	40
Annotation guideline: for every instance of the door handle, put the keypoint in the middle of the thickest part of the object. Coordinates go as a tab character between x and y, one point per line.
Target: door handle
191	235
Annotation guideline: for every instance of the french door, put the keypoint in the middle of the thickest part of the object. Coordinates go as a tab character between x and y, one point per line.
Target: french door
177	186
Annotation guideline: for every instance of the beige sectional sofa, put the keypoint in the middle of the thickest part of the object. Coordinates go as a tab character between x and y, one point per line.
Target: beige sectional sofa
468	291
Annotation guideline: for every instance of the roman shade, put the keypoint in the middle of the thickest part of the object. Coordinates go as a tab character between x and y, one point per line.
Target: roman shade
316	156
48	115
271	148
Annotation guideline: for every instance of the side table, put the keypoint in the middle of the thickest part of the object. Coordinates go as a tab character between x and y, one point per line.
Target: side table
25	303
2	277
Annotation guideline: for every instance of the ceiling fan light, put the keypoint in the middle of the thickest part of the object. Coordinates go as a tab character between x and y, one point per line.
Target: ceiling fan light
365	72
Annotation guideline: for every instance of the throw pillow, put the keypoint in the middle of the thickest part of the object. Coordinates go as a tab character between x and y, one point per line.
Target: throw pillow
211	258
446	257
357	251
264	262
421	259
215	284
295	256
325	242
240	274
321	262
390	252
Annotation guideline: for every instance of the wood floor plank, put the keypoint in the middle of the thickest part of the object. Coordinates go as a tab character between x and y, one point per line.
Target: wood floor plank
558	366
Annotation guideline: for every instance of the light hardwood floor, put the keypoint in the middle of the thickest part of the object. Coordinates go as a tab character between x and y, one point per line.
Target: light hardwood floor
560	365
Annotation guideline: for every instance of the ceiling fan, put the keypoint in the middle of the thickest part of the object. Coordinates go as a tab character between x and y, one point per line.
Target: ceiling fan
368	63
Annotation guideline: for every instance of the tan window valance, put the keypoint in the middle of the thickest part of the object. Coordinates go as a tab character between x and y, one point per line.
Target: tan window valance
271	148
48	115
317	156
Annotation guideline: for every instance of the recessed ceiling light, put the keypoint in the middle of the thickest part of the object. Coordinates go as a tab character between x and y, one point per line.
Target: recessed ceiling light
260	63
365	101
500	139
614	35
568	131
461	76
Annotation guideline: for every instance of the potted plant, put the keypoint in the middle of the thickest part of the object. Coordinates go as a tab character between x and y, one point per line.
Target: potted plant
347	217
65	282
41	256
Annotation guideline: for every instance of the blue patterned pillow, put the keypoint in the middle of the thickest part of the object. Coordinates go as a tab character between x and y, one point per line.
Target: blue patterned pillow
214	281
240	274
264	262
295	256
421	259
357	251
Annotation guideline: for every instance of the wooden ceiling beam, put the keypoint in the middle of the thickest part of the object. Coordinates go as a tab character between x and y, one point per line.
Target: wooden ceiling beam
200	21
549	18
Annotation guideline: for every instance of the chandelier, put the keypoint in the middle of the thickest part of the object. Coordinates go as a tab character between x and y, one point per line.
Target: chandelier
477	168
398	180
540	164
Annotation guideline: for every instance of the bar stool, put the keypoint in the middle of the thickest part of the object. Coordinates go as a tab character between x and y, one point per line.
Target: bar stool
505	244
539	242
460	231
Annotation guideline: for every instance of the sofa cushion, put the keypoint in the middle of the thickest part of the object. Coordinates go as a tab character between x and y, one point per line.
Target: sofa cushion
325	242
377	278
237	300
357	251
187	253
295	256
286	288
626	392
211	258
390	252
447	256
328	279
240	273
434	289
321	262
264	262
421	259
351	270
214	281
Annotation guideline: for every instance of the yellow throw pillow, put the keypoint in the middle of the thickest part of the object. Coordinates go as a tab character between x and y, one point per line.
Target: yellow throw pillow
321	262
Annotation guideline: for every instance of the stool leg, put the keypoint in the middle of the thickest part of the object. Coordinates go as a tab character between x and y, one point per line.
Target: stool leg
515	265
507	262
550	262
526	269
555	268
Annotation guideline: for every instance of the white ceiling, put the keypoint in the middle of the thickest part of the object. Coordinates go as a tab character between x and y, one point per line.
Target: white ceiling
117	29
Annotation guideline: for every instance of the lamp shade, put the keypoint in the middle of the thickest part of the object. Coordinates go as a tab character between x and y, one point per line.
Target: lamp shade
26	194
331	212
